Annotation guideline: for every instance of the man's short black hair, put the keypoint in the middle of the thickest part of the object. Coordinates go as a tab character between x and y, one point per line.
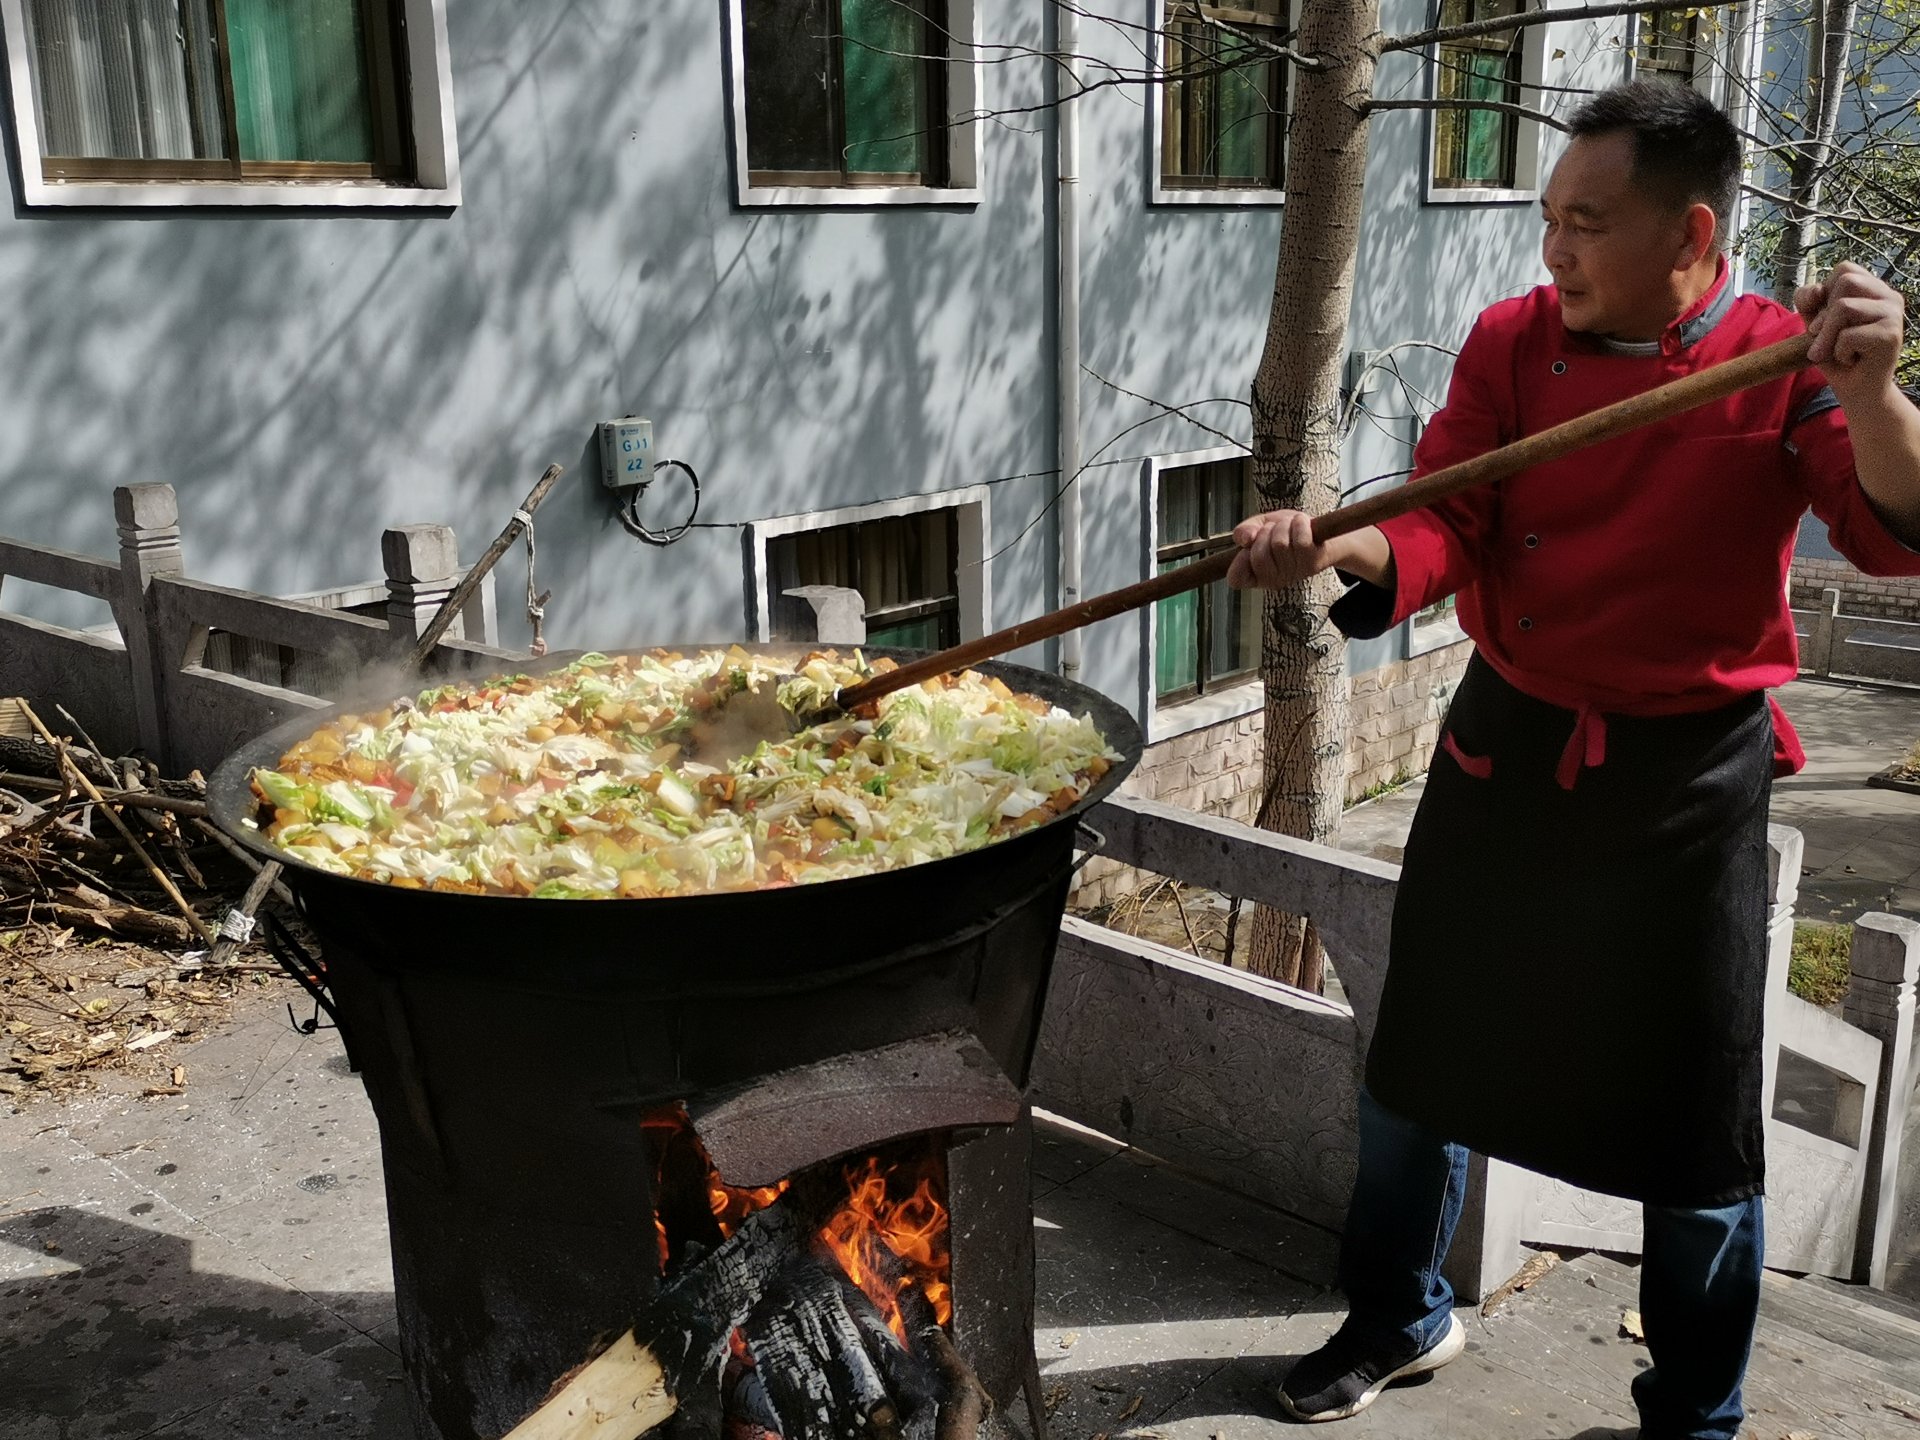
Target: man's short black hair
1685	149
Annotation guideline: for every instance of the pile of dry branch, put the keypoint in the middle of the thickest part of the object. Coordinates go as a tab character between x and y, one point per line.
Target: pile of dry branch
122	912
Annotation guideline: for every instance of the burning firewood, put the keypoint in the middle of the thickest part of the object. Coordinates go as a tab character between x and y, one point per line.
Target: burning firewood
682	1340
812	1356
813	1359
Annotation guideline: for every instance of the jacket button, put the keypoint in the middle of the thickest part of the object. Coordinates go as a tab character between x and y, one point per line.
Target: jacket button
1559	367
1533	542
1526	622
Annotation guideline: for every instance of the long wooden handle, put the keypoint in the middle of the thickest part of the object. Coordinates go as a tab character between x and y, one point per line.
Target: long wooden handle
1677	397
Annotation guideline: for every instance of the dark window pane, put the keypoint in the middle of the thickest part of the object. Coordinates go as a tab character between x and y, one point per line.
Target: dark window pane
791	85
1223	104
929	632
128	79
1477	148
885	58
900	563
1235	618
1181	516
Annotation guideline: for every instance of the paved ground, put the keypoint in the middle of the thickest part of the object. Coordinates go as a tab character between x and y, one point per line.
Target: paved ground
1863	843
215	1267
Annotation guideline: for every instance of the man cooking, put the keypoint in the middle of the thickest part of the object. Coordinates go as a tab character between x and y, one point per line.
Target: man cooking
1578	966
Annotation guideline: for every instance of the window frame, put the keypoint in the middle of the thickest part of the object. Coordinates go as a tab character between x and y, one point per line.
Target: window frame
1527	136
1713	59
963	153
1159	192
972	567
1239	698
425	122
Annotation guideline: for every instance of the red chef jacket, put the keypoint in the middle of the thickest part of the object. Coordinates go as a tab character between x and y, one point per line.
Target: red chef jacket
1647	575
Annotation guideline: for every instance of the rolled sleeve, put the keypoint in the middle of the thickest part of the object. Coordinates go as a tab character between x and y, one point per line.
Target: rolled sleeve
1824	455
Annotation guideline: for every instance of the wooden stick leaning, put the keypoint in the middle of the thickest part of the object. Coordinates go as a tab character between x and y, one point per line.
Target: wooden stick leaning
1690	392
166	881
470	582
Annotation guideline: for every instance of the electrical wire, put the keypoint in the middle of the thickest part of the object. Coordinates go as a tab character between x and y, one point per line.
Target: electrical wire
630	508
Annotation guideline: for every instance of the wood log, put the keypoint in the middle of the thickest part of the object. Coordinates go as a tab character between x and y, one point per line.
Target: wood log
911	1381
129	922
810	1355
682	1338
965	1408
37	759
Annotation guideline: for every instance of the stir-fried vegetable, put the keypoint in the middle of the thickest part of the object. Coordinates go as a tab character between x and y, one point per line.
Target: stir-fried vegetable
589	784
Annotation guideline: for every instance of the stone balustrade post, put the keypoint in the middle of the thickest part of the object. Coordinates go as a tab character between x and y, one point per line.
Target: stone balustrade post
1881	1001
423	567
1818	655
826	614
148	520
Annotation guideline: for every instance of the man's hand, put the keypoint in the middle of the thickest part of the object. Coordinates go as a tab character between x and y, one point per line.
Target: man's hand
1277	550
1858	322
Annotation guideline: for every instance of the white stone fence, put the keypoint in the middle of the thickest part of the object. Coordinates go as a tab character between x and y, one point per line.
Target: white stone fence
188	671
1856	647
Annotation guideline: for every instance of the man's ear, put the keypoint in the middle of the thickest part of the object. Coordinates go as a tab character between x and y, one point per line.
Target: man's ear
1702	229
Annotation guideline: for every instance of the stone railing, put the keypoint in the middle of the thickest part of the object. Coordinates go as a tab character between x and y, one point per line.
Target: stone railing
1857	647
1254	1085
189	670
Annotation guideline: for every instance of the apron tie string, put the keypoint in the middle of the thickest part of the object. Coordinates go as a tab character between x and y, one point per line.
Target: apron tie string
1586	747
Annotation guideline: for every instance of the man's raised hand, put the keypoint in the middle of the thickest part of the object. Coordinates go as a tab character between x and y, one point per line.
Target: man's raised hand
1858	322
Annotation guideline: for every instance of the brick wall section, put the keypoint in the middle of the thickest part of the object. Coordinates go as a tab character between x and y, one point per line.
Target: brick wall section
1895	598
1395	717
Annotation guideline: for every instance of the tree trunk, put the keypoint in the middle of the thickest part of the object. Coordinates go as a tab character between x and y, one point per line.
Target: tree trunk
1296	449
1829	41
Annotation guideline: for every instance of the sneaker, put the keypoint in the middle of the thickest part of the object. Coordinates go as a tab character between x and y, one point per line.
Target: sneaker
1343	1377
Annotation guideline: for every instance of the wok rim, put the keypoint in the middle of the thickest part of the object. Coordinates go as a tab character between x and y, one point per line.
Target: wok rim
230	797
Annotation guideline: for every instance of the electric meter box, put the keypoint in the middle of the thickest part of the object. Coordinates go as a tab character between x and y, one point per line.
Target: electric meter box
626	453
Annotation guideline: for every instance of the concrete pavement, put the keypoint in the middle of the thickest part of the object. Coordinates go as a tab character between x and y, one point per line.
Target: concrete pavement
215	1267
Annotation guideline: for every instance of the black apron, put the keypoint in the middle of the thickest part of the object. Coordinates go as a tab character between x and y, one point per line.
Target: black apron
1577	979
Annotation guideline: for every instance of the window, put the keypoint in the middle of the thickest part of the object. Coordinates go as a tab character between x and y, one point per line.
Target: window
1666	45
1224	97
904	566
1478	149
1205	639
852	94
130	101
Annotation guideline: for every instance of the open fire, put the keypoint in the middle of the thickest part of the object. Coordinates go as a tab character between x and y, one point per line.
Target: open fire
849	1337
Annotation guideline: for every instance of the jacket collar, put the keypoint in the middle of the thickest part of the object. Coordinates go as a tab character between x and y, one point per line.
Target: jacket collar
1689	329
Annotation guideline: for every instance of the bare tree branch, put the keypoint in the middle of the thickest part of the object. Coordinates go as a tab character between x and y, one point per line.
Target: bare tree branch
1440	35
1503	107
1864	222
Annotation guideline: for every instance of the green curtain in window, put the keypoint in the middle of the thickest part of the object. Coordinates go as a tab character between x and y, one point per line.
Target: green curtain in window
300	79
887	106
1487	129
1177	641
1244	112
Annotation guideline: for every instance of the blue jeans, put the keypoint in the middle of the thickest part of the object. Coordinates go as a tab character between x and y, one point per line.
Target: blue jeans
1699	1277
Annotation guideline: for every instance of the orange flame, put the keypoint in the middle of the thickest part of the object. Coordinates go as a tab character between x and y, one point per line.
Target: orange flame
886	1245
912	1230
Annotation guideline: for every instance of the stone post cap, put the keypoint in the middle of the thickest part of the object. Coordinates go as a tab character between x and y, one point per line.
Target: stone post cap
145	507
840	614
414	554
1886	948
